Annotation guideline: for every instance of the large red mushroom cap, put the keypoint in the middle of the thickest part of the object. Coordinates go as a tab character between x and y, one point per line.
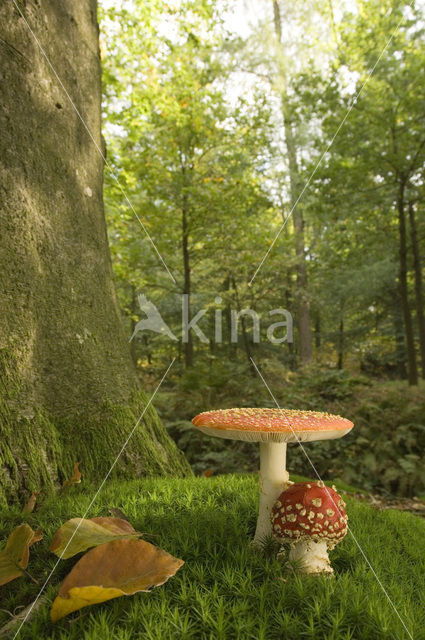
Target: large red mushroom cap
309	511
272	425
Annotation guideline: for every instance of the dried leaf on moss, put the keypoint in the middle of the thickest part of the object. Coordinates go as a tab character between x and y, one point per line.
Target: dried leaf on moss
114	569
29	507
117	513
15	556
79	534
75	478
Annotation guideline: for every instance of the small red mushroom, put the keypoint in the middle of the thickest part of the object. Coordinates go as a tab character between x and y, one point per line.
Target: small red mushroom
312	518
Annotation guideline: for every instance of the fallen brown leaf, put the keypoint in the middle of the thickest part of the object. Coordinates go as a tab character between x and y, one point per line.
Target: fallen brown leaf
114	569
38	535
15	556
29	507
78	534
75	478
117	513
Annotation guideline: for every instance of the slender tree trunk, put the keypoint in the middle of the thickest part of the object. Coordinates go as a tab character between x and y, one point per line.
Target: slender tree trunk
247	346
188	346
302	300
412	371
332	16
288	296
146	342
69	390
399	336
417	267
232	347
341	344
133	311
245	337
317	331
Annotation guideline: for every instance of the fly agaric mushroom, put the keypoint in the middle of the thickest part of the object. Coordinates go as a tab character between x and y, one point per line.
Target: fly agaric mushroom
272	428
312	518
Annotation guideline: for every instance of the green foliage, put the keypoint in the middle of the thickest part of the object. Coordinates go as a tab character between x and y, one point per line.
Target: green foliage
206	169
352	205
206	166
227	589
382	453
191	158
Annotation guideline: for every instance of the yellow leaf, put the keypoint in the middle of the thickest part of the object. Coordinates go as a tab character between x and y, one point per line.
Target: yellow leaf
80	597
114	569
78	534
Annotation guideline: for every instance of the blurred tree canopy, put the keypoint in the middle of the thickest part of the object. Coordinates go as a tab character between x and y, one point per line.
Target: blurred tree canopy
314	121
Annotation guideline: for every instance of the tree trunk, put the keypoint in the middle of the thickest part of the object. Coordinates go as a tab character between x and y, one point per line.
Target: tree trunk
245	337
317	331
288	302
69	387
232	348
412	371
188	345
340	362
418	285
399	335
302	300
133	311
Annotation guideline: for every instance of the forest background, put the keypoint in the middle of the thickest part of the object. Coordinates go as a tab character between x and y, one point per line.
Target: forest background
274	159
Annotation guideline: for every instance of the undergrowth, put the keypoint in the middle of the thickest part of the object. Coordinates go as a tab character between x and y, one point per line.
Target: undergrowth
383	453
226	588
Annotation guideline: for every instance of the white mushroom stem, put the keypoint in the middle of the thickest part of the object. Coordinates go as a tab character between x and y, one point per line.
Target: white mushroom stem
273	480
308	556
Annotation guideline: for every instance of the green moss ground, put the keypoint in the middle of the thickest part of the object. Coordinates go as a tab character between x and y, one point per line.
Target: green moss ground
227	589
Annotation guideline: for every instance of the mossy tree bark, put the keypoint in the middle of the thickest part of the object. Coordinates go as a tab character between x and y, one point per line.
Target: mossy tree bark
68	386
